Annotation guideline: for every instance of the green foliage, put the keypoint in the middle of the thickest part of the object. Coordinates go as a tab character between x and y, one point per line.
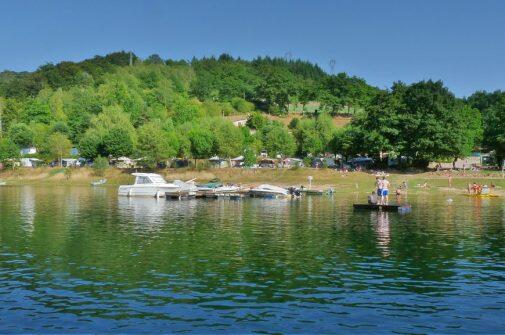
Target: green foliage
277	140
423	121
249	156
20	134
257	121
202	142
100	165
8	150
228	139
159	109
89	146
155	145
492	108
313	136
117	143
57	146
184	110
37	111
241	105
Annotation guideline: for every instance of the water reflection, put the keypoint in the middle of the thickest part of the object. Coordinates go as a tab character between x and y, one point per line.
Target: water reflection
96	262
27	208
383	232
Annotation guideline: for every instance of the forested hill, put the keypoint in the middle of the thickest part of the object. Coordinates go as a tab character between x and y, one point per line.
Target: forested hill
270	83
119	104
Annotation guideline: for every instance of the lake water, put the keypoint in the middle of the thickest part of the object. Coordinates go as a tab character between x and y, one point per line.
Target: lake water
78	259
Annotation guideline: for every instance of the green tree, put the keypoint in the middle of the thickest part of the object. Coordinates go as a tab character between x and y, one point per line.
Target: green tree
100	165
202	142
249	156
277	140
184	110
58	145
90	145
155	144
492	107
117	143
8	150
21	134
37	111
228	138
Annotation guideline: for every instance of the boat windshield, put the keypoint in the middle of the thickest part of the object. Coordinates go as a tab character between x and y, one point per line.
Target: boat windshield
143	180
158	180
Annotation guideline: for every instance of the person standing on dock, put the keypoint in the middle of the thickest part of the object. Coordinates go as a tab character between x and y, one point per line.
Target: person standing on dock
385	191
378	185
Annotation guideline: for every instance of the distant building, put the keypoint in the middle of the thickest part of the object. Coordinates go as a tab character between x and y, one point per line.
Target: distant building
67	162
238	120
237	161
28	151
30	162
218	162
124	163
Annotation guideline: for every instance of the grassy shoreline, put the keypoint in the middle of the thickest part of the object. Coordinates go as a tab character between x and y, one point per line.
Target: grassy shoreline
322	178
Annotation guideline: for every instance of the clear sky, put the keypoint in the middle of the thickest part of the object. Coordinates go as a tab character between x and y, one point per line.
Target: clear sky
458	41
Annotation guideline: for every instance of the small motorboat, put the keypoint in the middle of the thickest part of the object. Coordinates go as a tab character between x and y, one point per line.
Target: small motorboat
227	189
210	186
98	182
268	191
148	184
186	188
3	183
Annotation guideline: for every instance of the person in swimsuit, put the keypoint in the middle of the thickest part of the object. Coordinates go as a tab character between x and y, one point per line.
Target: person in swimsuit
385	191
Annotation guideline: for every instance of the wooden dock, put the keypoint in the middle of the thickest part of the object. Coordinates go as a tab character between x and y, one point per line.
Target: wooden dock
392	208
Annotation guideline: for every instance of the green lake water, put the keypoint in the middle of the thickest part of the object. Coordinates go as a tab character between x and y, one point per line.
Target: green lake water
80	259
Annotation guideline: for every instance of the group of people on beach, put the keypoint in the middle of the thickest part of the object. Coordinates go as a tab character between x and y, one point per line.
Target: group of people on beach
381	196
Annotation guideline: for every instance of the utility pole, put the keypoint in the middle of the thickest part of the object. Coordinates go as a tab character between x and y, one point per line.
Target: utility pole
131	59
332	65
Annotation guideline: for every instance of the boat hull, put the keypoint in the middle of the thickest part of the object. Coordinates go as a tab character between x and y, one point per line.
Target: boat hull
266	194
146	190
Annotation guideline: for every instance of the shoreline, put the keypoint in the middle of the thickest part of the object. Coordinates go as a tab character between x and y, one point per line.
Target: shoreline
322	178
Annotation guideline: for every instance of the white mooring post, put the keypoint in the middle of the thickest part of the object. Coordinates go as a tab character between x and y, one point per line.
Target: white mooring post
310	178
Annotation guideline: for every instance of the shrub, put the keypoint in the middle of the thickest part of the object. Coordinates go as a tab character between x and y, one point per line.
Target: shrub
100	165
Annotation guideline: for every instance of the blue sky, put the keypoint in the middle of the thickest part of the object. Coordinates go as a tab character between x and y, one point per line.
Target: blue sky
458	41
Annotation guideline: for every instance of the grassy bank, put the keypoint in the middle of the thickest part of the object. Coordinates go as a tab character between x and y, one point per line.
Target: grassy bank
322	178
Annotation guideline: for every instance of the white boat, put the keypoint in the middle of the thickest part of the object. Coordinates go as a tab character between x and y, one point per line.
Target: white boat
2	183
188	188
227	189
268	191
148	184
98	182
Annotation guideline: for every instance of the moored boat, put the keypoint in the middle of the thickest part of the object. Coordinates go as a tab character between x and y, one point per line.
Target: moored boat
98	182
148	184
268	191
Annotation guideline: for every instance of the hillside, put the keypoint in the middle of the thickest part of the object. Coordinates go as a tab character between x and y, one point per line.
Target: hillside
155	109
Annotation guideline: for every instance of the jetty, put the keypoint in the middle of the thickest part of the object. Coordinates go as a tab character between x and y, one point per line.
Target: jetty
391	208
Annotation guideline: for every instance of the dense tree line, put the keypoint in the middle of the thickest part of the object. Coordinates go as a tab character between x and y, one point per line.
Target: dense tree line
155	109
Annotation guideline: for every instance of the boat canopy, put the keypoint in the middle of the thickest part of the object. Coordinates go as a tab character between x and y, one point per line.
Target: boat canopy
148	178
